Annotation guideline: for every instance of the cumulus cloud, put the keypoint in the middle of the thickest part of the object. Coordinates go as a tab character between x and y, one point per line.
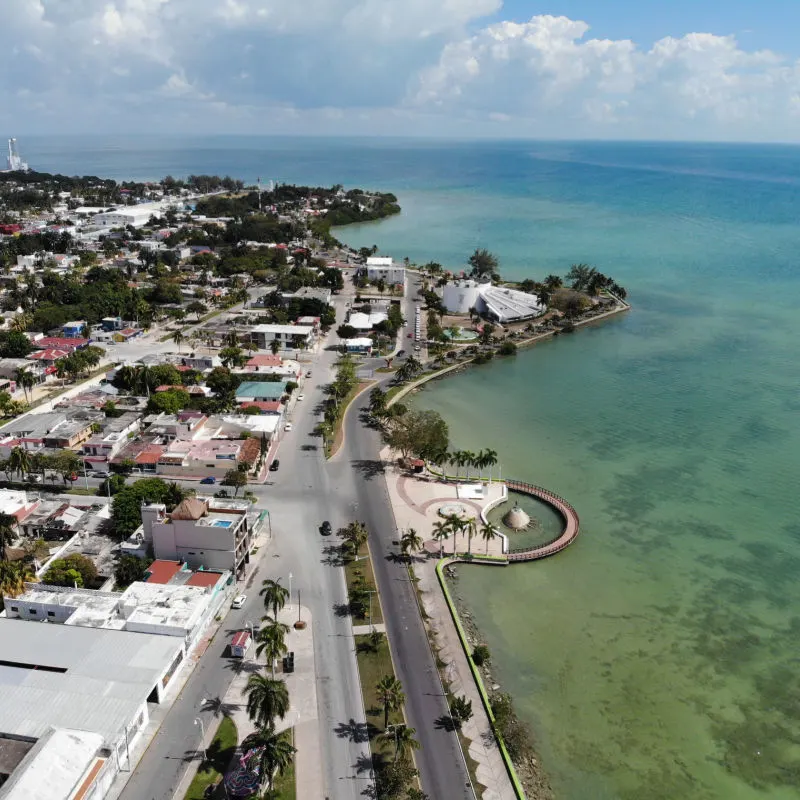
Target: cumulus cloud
382	66
547	72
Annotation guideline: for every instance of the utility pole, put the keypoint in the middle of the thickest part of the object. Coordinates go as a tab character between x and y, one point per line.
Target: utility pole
259	194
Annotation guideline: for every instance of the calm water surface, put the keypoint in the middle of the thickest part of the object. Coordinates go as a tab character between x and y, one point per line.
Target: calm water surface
662	658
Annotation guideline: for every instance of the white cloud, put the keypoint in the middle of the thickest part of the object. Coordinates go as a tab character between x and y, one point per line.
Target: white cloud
407	65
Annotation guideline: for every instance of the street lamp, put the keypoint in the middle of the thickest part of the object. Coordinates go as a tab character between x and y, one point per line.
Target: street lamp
290	588
198	721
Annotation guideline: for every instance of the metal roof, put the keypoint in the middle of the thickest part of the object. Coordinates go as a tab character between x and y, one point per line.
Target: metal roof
109	674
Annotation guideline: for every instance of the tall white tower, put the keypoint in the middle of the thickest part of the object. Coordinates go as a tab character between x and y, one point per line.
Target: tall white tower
15	163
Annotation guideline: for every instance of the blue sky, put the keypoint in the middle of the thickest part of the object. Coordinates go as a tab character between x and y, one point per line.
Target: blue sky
616	69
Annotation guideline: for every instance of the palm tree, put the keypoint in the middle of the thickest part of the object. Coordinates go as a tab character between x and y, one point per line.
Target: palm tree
271	641
61	369
275	595
8	527
21	322
25	379
471	527
456	525
489	460
410	542
178	338
441	531
274	347
403	738
275	752
267	699
390	694
487	533
13	577
469	461
19	461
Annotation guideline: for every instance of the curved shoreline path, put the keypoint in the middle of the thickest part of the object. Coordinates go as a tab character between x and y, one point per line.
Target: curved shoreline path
567	512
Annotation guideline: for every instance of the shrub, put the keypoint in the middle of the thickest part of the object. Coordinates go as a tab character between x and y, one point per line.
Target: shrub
508	349
480	655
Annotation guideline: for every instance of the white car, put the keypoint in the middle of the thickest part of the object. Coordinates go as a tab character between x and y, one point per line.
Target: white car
288	426
300	397
239	601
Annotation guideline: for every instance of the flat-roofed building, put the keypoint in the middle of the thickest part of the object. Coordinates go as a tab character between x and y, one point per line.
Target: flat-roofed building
288	336
207	533
384	268
93	680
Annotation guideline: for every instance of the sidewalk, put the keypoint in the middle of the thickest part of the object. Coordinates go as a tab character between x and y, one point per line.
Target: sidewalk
491	771
302	714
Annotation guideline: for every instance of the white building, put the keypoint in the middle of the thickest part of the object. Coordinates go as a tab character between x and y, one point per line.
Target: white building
358	345
385	268
80	697
207	533
184	609
366	322
287	335
137	216
500	303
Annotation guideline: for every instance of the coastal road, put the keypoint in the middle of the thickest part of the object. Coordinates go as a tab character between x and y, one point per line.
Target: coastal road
299	496
358	472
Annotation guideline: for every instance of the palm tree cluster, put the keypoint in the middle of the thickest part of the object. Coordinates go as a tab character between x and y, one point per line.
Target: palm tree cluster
409	370
453	524
480	461
583	278
268	696
20	462
345	381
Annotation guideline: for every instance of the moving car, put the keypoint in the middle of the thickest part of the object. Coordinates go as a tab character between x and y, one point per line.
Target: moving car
308	374
325	529
273	467
300	397
287	426
209	479
239	601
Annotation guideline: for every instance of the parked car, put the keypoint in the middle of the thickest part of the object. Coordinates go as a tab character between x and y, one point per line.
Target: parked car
209	479
410	335
287	426
34	478
300	397
325	529
273	467
308	374
239	601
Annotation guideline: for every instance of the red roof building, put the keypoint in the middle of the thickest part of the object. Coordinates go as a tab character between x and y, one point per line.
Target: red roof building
60	342
162	571
265	406
50	355
204	579
263	360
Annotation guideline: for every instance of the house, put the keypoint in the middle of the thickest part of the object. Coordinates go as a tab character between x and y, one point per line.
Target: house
268	364
184	426
117	432
385	269
74	329
112	323
366	322
358	345
17	504
59	342
260	391
143	454
294	336
206	458
10	366
200	363
211	533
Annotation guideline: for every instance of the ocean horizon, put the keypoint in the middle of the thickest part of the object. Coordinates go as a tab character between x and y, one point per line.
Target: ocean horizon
657	656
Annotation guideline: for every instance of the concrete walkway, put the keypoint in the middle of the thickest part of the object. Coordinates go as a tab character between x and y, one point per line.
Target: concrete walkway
491	771
361	630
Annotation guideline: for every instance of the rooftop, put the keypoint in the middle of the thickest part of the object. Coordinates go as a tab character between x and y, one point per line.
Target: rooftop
291	330
161	571
271	389
96	681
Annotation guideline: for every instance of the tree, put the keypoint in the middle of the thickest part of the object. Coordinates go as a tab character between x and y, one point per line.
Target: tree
390	694
197	308
274	750
274	347
126	508
8	527
25	379
66	463
409	370
410	542
170	402
507	348
487	533
460	710
112	485
486	333
235	478
403	738
232	356
346	332
15	344
267	700
19	461
470	526
13	577
72	570
130	569
441	531
271	641
483	264
419	433
275	595
353	536
178	338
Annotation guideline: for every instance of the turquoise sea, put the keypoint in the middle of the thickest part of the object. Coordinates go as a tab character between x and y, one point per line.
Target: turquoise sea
658	657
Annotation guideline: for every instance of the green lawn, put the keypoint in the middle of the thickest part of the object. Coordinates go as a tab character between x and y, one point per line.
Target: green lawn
364	565
219	752
372	666
285	785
